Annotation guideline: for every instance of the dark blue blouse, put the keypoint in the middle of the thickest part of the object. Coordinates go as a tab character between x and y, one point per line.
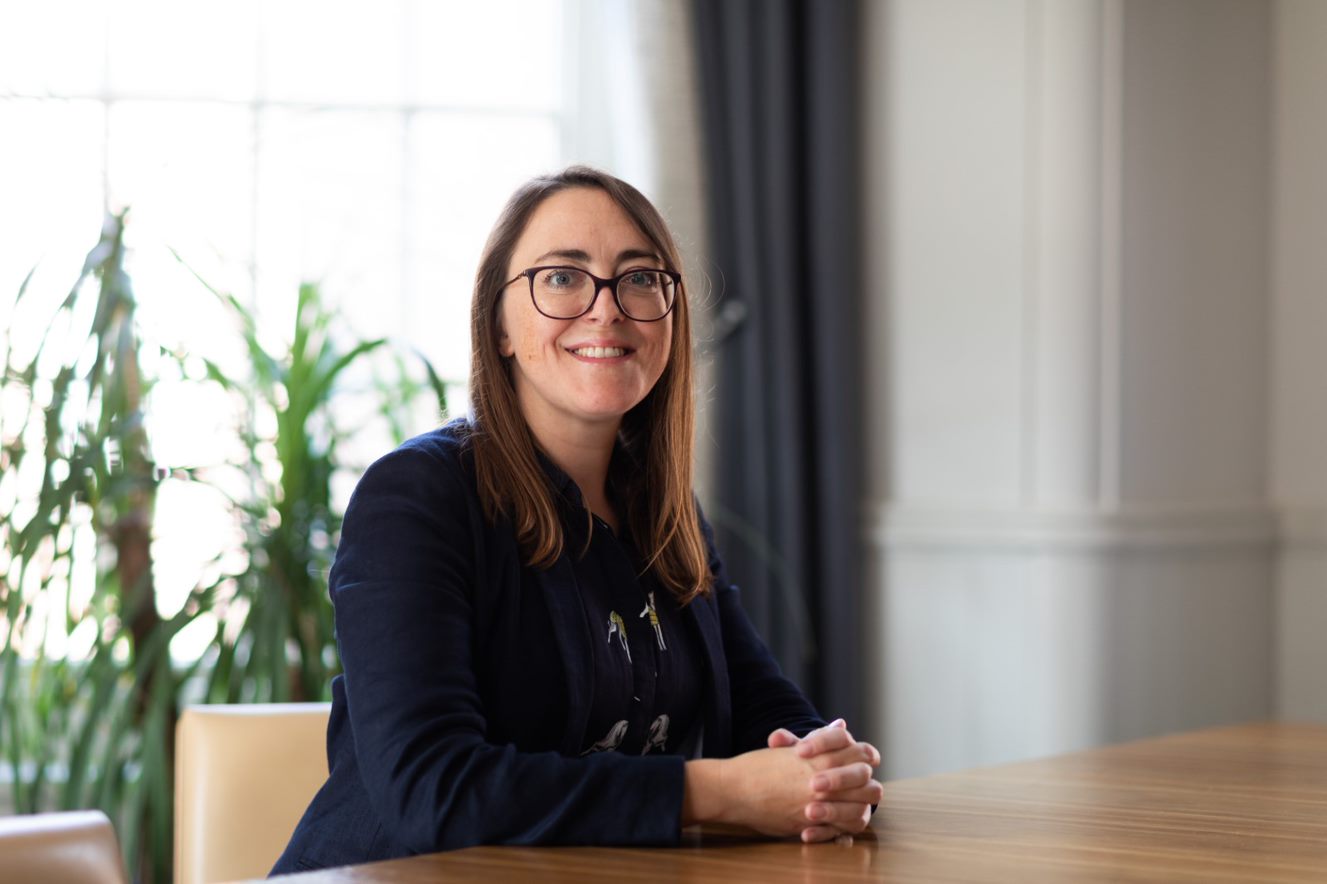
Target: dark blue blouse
647	670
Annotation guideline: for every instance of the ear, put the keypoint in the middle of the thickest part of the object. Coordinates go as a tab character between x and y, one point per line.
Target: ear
505	348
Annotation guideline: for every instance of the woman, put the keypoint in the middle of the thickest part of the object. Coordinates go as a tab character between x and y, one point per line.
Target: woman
539	641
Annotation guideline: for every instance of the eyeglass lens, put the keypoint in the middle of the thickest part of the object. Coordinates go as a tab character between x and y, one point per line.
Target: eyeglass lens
566	292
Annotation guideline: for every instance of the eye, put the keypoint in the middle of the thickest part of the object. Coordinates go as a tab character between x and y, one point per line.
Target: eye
561	278
642	279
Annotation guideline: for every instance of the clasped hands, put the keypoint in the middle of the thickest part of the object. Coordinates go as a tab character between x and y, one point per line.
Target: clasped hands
819	787
844	787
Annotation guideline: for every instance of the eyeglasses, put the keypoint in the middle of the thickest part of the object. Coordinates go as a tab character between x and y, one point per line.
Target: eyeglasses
643	294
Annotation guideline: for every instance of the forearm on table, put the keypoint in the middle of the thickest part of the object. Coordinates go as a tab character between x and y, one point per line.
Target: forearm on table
703	798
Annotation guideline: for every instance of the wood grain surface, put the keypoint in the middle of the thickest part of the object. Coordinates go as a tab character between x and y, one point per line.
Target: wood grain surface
1242	803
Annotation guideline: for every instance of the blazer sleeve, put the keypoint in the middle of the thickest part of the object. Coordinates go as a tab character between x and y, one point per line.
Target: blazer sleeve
403	588
763	698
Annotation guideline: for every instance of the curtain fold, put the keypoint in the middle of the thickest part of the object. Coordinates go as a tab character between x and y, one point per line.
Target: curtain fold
778	82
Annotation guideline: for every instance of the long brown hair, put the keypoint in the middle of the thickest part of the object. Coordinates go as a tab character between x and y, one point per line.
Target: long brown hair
657	435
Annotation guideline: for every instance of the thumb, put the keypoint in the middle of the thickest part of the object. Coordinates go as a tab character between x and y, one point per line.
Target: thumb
782	737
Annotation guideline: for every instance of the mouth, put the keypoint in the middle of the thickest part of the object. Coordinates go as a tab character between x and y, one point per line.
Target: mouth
600	352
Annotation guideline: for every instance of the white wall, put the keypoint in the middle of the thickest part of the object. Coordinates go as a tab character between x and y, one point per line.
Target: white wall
1299	354
1068	214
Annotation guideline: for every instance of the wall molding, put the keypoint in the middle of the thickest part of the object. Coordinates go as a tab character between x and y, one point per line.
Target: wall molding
1156	528
1303	528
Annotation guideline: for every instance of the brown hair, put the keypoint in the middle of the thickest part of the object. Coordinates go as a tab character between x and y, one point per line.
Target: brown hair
655	492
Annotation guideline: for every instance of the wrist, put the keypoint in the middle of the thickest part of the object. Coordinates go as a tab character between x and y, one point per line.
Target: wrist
703	794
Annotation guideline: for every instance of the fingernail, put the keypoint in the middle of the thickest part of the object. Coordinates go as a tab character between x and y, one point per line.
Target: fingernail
820	783
838	722
817	812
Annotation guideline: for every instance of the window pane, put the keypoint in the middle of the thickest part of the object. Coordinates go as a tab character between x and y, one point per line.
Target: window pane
474	162
193	523
168	48
335	51
502	53
51	199
185	170
329	210
52	48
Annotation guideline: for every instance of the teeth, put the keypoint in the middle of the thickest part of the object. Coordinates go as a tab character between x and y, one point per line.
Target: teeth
600	352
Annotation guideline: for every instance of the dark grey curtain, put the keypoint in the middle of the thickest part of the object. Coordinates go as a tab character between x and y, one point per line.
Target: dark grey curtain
779	91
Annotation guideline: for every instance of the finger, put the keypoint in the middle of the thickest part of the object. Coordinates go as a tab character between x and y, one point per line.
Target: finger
817	834
784	737
846	816
827	739
859	750
837	724
871	793
838	778
855	753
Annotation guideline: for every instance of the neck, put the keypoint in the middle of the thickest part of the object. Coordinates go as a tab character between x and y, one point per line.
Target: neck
583	452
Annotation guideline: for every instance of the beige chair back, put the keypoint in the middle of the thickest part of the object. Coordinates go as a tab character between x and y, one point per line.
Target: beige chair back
244	775
77	847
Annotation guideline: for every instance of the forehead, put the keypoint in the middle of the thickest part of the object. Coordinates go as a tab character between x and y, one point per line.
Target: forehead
580	218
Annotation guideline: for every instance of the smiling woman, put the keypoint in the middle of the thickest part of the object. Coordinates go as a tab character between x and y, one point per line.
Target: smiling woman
540	643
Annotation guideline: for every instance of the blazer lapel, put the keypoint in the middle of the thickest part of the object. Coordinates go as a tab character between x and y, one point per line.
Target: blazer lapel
571	632
718	712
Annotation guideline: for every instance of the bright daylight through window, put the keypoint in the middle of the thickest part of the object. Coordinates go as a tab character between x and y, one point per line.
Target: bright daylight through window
256	146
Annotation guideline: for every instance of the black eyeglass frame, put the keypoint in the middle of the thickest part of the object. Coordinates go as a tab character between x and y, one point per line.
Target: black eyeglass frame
599	284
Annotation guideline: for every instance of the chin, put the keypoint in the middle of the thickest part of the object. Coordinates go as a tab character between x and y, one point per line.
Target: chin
605	414
608	406
606	411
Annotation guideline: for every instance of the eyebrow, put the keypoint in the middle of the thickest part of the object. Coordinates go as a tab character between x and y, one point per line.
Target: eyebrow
584	256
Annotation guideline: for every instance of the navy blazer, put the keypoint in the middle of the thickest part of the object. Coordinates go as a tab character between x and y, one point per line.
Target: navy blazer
444	731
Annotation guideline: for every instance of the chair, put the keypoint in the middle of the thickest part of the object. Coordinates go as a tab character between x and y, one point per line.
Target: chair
244	775
77	847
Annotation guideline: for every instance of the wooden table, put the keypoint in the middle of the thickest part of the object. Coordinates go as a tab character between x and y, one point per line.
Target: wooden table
1244	803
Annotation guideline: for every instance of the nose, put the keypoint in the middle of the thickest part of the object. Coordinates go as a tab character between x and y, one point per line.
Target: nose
605	309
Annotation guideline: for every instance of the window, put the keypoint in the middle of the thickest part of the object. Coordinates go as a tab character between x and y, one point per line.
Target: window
364	145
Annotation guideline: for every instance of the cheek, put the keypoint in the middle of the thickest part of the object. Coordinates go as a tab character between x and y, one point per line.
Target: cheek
665	344
530	338
515	338
503	329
